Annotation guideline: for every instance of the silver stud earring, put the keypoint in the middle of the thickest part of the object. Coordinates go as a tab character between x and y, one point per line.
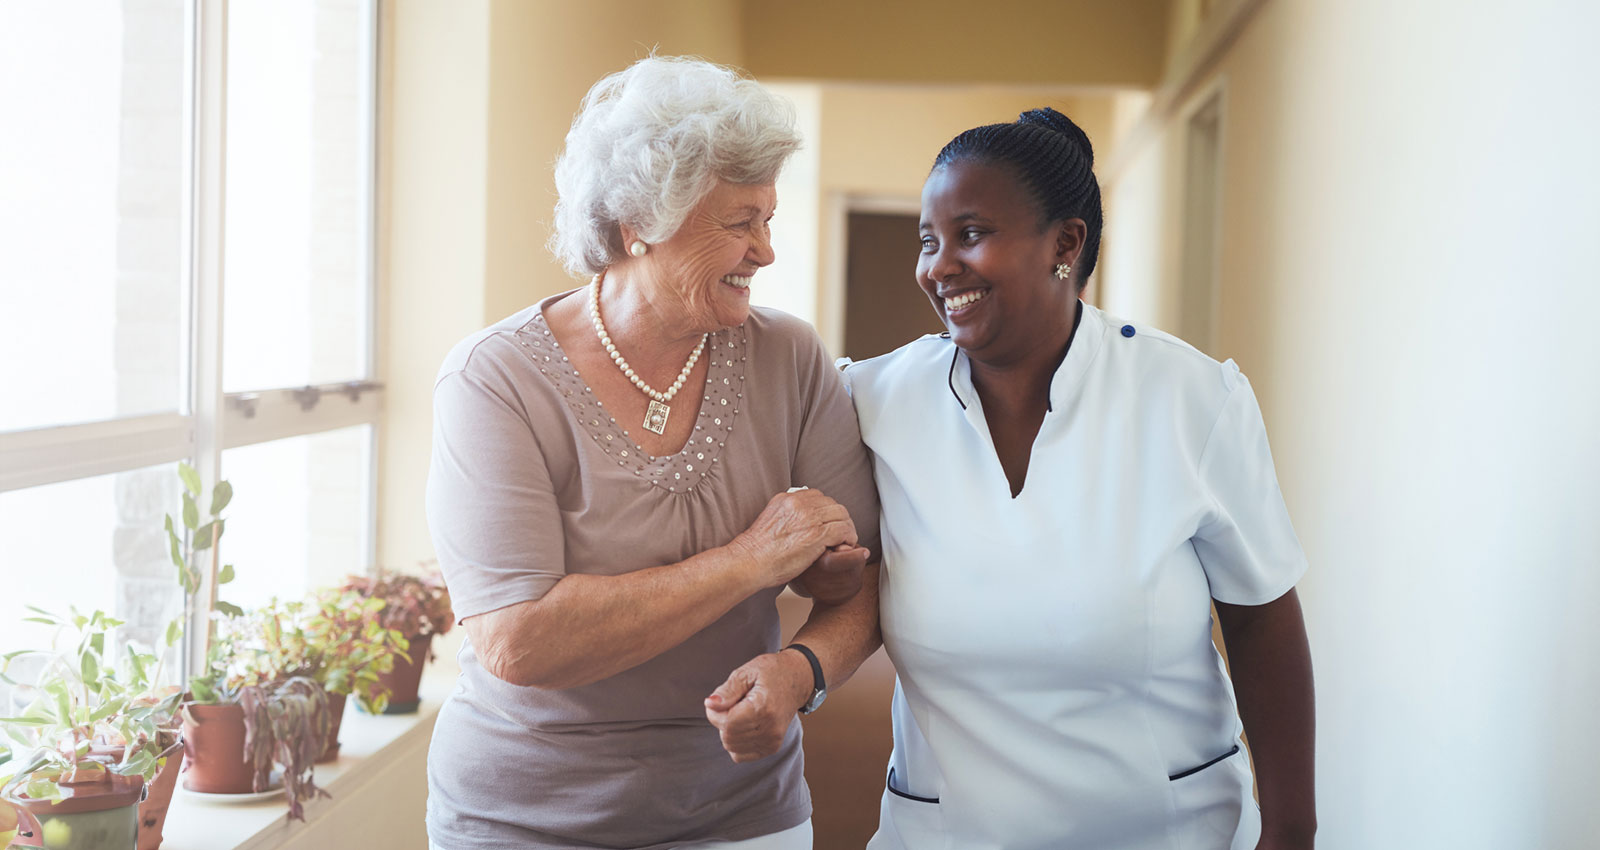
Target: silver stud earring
1063	271
638	248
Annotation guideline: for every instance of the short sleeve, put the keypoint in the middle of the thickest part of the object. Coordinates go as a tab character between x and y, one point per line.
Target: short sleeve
830	456
1247	546
491	506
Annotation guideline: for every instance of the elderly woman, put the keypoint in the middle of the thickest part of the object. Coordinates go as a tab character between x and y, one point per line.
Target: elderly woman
610	498
1064	496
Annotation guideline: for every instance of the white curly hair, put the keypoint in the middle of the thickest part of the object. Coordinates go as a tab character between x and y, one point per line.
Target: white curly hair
650	142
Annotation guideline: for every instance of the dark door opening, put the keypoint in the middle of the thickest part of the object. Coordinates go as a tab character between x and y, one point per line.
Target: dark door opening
884	307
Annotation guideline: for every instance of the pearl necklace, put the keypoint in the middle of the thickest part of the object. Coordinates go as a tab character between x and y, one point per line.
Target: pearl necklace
655	416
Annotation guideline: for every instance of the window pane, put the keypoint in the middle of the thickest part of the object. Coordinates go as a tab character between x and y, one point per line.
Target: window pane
299	104
95	543
91	210
301	514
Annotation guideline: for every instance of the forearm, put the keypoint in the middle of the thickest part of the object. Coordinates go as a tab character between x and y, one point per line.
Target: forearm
591	627
1270	660
844	635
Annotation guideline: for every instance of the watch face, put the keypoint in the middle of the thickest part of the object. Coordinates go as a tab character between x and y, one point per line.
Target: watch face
816	700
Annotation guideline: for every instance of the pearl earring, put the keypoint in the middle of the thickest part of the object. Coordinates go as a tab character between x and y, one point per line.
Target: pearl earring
1063	271
638	248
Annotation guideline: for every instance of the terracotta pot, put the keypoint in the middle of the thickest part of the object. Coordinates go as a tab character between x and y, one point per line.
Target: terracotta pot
11	823
157	792
158	798
404	680
98	813
213	750
330	750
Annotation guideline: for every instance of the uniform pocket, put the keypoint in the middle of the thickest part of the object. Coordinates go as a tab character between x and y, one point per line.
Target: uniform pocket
1212	804
908	821
890	784
1183	774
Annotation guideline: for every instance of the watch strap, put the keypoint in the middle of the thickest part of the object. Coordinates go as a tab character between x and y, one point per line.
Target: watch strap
818	683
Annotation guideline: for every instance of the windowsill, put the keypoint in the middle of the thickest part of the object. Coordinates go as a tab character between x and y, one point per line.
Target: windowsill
369	746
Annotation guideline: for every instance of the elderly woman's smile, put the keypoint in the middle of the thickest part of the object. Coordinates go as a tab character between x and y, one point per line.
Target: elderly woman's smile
710	261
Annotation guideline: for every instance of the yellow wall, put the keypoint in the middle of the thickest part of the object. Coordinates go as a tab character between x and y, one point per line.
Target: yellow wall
878	141
1051	42
481	95
543	58
433	158
1408	200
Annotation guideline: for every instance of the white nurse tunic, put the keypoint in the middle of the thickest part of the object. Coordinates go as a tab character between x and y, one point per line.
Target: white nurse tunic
1058	687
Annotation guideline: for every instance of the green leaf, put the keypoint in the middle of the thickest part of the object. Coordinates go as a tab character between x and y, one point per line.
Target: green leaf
40	620
137	674
111	707
44	789
202	690
230	609
225	575
191	479
175	545
202	536
221	495
43	613
90	667
174	631
191	513
15	733
25	721
141	762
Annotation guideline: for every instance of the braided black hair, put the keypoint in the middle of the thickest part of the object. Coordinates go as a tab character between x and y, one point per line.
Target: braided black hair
1055	162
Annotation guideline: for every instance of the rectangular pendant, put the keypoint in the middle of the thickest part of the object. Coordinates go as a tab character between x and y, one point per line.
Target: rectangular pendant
655	417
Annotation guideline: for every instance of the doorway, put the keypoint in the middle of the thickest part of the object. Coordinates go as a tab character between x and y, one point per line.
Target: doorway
884	308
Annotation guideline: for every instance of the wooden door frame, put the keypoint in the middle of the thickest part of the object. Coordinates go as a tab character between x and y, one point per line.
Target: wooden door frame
831	295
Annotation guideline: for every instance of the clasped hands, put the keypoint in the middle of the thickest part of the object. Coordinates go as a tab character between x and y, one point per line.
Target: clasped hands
753	708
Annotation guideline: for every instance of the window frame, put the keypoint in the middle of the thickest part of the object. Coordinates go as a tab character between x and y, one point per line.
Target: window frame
211	420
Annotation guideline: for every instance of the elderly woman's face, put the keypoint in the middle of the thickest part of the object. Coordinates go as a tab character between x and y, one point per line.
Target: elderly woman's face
710	260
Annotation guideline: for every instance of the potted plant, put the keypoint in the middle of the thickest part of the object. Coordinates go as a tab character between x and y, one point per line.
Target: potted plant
97	732
349	652
255	708
418	607
252	705
10	821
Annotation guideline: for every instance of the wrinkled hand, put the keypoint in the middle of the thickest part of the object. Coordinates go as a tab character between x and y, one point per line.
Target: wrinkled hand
835	577
754	707
793	531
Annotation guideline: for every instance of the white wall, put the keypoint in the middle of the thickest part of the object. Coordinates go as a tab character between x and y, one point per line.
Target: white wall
1411	197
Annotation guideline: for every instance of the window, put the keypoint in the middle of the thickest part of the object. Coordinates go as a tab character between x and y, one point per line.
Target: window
186	273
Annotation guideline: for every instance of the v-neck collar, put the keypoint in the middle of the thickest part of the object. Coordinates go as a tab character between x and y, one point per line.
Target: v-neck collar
721	399
1068	378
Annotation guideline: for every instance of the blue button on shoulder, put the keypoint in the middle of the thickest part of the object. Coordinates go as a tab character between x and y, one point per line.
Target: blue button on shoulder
1127	330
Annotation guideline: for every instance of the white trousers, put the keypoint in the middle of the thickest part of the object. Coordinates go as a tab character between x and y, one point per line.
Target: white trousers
797	838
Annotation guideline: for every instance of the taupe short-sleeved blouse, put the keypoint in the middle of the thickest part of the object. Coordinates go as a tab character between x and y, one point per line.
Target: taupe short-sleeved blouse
532	479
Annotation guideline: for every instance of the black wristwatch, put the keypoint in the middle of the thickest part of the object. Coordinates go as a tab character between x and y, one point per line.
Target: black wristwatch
819	687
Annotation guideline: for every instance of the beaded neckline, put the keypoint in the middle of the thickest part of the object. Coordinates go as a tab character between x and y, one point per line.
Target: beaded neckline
722	397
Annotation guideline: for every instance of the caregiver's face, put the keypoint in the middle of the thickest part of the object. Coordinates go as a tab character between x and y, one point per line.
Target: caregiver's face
987	263
708	263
